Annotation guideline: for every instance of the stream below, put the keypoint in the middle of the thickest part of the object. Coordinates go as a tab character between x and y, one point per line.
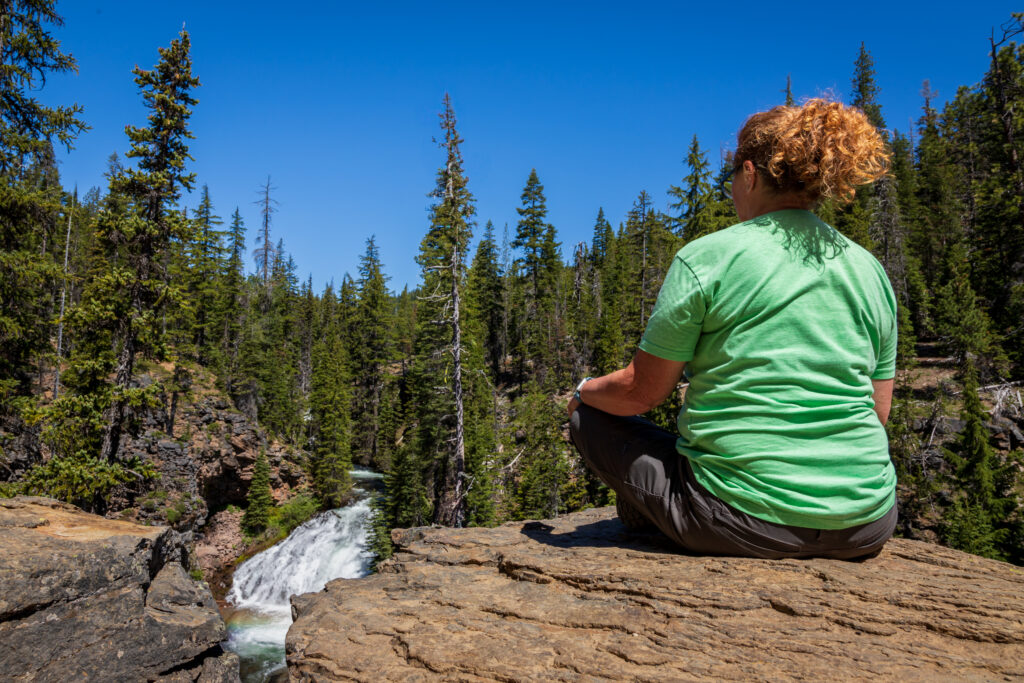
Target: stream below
331	545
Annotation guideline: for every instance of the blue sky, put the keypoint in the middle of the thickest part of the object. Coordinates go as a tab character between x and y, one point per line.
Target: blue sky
338	102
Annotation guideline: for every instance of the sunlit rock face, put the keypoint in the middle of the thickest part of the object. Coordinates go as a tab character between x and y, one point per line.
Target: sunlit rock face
88	598
581	598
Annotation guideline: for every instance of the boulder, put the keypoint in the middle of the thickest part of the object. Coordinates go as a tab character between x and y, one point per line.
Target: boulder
88	598
581	598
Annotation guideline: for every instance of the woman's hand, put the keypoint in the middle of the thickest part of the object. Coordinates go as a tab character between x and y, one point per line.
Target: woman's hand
574	403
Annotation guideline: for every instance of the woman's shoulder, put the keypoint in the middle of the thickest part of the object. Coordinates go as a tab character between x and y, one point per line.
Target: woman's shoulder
758	237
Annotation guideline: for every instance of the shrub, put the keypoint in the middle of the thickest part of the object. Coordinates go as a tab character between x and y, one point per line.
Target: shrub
294	512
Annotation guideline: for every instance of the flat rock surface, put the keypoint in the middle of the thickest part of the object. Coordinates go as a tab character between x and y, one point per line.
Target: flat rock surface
88	598
580	598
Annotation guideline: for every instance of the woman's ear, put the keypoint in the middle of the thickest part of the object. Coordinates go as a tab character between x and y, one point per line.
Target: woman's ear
749	175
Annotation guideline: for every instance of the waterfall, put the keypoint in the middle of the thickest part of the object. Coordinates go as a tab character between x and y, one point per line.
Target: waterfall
331	545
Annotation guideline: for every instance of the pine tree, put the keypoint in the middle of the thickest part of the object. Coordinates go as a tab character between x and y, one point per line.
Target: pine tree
278	372
936	225
530	233
135	288
231	304
648	246
259	500
692	198
206	257
265	254
721	210
330	403
370	353
977	520
583	311
485	294
997	231
603	236
865	90
544	466
437	376
610	340
855	219
961	320
917	306
551	362
29	53
536	279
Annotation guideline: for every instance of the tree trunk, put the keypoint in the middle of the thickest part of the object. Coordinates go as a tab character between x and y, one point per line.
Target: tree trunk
122	378
63	300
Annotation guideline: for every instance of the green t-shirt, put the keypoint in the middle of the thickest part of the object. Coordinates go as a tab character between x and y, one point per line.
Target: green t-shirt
783	322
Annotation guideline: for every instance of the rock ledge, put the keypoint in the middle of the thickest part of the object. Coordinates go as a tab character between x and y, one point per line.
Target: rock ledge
88	598
580	598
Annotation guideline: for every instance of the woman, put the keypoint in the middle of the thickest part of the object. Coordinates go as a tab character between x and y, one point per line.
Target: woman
786	331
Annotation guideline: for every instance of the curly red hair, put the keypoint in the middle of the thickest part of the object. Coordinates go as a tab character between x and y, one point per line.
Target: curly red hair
821	149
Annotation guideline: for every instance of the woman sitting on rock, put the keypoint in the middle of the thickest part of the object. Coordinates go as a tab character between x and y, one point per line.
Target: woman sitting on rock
786	331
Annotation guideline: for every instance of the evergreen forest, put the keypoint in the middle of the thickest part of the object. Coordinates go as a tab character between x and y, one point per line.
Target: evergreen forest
456	390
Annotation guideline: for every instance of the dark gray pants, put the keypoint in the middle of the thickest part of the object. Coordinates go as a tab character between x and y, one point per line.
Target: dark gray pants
640	462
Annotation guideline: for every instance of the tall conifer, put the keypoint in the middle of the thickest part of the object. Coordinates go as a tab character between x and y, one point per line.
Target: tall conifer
438	371
143	237
693	217
370	353
29	53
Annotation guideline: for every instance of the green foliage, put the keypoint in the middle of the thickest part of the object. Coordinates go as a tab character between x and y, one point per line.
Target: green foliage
204	277
968	526
371	350
293	512
330	398
980	520
174	514
534	324
83	480
485	292
961	319
259	501
380	532
30	193
864	89
693	199
543	484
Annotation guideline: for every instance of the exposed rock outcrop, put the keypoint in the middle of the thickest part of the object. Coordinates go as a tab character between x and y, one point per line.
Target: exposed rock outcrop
206	464
218	549
580	598
88	598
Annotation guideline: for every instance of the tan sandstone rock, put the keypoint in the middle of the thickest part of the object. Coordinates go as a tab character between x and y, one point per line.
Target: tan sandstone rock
582	599
88	598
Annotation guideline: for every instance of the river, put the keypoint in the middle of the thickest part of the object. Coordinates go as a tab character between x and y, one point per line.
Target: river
331	545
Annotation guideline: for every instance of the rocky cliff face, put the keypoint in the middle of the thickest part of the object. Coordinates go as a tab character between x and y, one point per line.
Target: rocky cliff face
205	464
580	598
202	449
88	598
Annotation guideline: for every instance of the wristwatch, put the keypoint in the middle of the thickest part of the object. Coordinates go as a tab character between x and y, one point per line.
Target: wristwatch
576	394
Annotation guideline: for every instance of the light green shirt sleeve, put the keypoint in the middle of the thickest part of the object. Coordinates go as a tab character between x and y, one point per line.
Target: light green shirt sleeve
674	327
886	367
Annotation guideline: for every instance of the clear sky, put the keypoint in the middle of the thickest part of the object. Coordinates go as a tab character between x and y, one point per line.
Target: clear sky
337	101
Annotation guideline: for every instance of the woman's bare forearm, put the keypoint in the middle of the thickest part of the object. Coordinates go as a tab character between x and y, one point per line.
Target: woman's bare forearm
636	388
616	393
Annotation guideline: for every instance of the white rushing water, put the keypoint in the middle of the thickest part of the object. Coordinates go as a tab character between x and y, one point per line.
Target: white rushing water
332	545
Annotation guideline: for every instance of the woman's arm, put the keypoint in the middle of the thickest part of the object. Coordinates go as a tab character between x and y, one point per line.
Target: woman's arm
636	388
882	396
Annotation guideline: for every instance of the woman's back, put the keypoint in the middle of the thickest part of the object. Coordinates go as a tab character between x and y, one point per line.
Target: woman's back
783	323
787	332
